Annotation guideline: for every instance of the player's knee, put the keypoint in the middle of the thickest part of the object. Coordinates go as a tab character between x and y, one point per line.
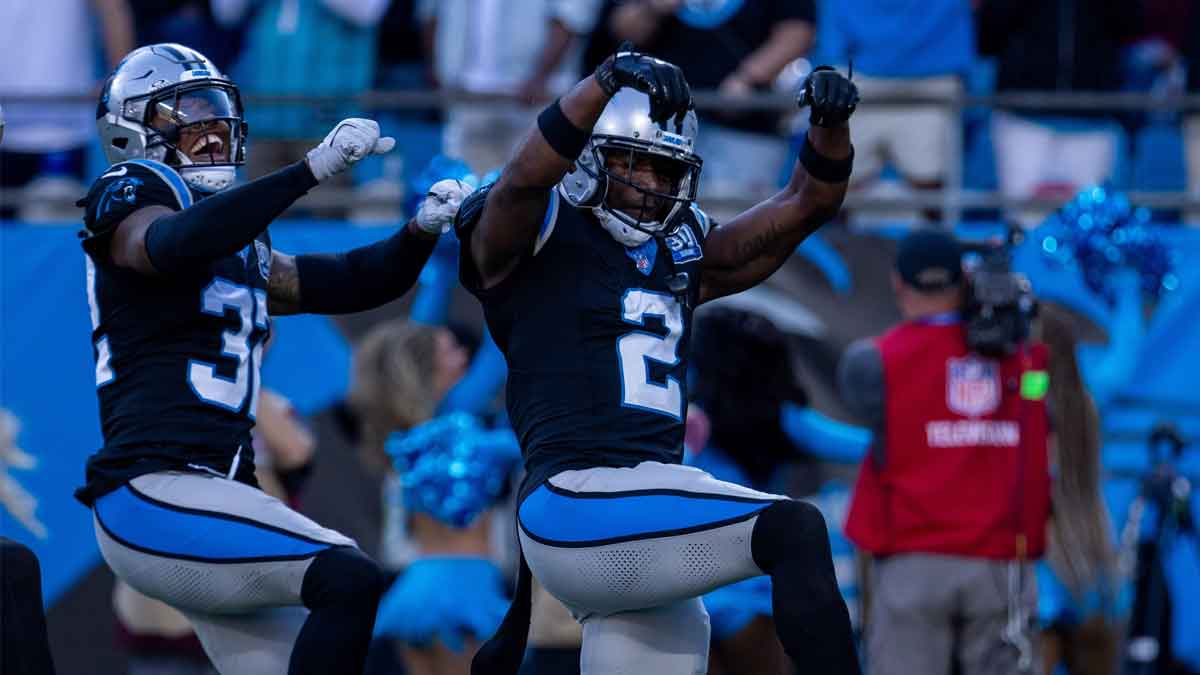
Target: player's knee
343	576
785	530
666	640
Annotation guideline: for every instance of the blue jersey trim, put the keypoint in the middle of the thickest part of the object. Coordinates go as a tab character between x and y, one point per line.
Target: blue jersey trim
171	177
145	524
559	519
701	219
548	221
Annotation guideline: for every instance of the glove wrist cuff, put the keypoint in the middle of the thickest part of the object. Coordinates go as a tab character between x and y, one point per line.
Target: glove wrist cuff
605	77
319	162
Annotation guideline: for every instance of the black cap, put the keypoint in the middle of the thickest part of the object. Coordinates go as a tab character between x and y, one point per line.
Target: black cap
929	260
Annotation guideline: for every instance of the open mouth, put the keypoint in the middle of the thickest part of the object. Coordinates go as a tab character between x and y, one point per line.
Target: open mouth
208	144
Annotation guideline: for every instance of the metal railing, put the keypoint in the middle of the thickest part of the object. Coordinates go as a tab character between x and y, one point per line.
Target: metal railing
952	200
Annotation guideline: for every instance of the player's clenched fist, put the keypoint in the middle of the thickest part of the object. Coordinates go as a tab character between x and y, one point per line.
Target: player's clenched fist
663	82
437	211
349	142
830	96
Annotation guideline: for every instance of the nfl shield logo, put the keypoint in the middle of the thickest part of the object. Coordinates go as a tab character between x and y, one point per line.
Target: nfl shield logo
972	386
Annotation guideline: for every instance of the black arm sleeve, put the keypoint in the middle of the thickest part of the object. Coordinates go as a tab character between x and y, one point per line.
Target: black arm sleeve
224	223
861	385
363	278
860	381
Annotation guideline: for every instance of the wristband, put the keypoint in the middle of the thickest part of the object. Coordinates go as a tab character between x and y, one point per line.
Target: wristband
823	168
567	139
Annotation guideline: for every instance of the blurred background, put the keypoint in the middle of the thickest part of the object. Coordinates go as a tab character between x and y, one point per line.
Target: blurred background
980	117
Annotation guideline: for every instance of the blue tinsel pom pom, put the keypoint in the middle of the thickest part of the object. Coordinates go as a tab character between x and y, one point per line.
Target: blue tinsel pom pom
1099	231
453	468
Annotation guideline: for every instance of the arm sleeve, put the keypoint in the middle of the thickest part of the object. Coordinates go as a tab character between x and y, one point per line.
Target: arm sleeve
1126	332
226	222
825	437
860	381
795	10
579	16
363	278
482	382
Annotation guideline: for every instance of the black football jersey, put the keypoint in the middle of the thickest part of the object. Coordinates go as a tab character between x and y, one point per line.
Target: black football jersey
596	339
177	359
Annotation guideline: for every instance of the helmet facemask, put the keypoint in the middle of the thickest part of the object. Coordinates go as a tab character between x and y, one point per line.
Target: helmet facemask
198	129
612	161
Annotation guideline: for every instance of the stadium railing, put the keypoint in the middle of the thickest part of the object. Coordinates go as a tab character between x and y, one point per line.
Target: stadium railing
952	200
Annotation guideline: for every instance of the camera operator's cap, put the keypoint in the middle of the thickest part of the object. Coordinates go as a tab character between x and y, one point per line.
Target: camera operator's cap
929	260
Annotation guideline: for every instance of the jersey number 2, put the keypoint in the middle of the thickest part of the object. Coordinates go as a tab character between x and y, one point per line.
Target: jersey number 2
251	306
635	351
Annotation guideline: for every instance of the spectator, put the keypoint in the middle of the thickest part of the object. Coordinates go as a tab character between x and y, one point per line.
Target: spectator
401	66
736	48
911	48
452	597
1191	121
47	49
188	22
401	370
1051	46
322	48
518	53
954	497
1080	572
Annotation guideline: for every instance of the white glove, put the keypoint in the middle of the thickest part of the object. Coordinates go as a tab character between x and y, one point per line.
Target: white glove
437	211
349	142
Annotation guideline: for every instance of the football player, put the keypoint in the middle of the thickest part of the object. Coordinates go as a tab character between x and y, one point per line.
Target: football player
589	256
181	282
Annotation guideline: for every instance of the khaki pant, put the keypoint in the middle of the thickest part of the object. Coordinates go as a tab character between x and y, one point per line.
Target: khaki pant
929	610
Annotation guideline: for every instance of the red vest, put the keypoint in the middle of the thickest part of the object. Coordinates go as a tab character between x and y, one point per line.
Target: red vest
965	458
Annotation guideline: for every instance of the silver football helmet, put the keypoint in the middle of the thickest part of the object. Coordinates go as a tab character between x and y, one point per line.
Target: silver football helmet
625	128
169	103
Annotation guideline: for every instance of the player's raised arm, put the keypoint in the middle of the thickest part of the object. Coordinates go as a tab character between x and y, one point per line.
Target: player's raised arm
749	248
516	203
368	276
158	241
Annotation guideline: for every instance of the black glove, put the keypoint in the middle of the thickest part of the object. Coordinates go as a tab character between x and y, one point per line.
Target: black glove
831	97
663	82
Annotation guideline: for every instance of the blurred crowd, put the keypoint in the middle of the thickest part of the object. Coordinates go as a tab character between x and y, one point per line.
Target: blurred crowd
503	60
415	377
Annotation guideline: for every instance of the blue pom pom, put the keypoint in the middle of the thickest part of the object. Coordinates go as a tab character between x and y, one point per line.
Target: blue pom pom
1099	231
452	468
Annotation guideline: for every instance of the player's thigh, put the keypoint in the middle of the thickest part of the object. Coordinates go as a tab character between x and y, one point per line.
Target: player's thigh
206	544
1022	149
1191	142
909	628
610	540
1085	157
669	640
919	145
257	643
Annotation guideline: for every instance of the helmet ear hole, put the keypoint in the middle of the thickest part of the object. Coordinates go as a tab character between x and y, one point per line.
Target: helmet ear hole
120	142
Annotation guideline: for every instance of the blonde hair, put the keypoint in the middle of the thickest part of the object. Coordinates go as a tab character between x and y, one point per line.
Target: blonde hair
391	382
1080	548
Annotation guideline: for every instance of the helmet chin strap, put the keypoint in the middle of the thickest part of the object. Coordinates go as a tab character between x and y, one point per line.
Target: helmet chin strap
620	230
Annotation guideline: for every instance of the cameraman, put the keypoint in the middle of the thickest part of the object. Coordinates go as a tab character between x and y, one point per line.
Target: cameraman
953	499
